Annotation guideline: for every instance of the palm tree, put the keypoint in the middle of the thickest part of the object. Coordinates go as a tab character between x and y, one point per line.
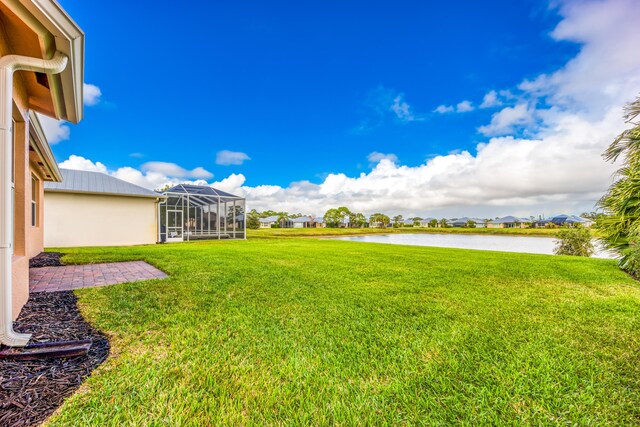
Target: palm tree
620	226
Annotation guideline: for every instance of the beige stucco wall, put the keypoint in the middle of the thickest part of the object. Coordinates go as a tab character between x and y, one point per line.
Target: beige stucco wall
73	219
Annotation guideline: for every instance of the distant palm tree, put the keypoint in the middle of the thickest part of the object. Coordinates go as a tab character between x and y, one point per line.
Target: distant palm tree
283	217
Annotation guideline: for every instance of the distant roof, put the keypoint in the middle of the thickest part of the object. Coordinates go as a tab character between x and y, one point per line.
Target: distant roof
202	190
570	219
508	219
466	219
272	218
77	181
302	219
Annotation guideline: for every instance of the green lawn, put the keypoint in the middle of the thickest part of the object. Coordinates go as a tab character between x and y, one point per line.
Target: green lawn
322	332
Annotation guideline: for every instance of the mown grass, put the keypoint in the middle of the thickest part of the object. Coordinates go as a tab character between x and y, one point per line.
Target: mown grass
320	232
322	332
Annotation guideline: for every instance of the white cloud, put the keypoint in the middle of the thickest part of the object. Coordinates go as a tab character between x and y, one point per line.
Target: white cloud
491	100
606	70
464	107
461	107
402	110
384	104
150	179
444	109
376	157
91	94
155	175
80	163
54	130
174	170
508	120
227	158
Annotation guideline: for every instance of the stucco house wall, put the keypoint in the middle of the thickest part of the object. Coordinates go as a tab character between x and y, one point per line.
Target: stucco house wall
27	240
32	30
76	219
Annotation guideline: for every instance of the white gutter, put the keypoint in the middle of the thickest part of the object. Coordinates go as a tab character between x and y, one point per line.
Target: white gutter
8	65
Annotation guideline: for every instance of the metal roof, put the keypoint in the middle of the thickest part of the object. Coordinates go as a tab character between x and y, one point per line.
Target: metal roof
302	219
200	190
273	218
427	220
77	181
564	218
510	219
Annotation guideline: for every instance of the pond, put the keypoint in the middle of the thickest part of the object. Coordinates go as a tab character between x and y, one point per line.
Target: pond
525	244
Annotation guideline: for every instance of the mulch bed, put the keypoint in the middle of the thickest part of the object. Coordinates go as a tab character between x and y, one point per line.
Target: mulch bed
46	259
30	391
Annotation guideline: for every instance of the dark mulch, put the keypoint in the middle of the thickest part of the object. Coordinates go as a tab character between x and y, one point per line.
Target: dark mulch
30	391
46	259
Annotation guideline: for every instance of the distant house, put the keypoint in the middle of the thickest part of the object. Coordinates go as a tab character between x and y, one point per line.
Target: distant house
560	220
458	222
509	222
480	222
302	222
462	222
319	222
274	221
426	222
269	221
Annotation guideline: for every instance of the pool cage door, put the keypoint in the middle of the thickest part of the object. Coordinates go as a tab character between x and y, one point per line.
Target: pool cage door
175	231
171	220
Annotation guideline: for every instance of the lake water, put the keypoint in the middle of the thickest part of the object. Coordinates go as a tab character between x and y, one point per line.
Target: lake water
525	244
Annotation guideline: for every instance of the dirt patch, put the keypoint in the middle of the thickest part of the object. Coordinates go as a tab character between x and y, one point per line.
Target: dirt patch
30	391
46	259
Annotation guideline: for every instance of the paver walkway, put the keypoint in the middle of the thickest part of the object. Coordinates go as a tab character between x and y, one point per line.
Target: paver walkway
69	277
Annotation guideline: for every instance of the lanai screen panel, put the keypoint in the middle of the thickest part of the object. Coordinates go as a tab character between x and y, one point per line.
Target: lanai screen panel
195	212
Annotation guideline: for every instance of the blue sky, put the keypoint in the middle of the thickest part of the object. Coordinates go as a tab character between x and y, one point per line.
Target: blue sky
309	91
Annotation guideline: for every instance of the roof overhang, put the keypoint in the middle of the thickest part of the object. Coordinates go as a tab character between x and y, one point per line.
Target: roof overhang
94	193
56	31
43	149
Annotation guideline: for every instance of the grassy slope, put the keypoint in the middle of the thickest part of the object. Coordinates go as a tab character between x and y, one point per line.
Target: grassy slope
316	332
319	232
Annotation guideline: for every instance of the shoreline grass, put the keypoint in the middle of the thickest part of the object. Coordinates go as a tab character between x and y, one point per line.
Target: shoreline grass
316	332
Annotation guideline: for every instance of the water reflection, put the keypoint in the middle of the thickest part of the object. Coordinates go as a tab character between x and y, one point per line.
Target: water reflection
524	244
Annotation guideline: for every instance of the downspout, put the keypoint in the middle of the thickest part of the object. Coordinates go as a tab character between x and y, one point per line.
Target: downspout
8	65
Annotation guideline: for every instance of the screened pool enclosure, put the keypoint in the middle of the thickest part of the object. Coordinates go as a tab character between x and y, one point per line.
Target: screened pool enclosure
197	212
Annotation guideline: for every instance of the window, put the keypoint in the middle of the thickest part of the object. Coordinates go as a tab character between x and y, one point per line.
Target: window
34	201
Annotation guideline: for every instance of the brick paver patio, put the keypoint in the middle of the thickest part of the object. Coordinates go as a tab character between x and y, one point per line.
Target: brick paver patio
69	277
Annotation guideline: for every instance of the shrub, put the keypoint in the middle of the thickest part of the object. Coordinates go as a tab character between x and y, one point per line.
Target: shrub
574	241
